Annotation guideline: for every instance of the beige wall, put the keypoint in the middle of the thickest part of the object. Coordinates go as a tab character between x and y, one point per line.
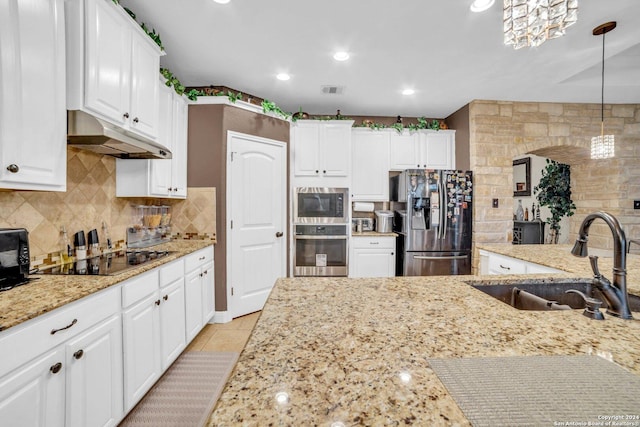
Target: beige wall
89	200
502	131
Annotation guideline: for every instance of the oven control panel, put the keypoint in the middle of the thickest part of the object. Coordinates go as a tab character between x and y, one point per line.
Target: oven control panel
321	230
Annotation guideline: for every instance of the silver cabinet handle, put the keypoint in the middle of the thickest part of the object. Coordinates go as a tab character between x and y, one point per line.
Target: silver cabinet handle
374	243
505	268
13	168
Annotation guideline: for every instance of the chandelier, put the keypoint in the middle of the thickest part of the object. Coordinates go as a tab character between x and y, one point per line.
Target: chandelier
602	146
532	22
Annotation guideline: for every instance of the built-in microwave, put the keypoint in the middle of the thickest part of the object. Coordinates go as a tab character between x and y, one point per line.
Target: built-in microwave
320	205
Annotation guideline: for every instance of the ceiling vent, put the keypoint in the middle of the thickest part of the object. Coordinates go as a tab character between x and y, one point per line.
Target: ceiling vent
333	90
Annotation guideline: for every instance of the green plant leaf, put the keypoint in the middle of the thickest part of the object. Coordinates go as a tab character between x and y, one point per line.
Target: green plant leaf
554	191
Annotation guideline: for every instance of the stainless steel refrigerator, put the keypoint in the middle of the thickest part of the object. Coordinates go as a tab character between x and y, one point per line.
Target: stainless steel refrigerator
433	219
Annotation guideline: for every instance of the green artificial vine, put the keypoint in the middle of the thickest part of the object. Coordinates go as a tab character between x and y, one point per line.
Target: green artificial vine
554	191
271	107
399	127
154	36
172	80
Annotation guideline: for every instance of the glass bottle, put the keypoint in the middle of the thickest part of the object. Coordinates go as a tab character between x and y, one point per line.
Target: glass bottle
526	214
66	252
520	211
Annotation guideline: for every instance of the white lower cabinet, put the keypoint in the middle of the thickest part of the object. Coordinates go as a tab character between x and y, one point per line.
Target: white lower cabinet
94	376
492	263
34	394
73	373
153	324
372	256
199	290
90	362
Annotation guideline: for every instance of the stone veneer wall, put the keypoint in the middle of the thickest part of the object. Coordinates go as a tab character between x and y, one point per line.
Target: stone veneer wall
90	199
501	131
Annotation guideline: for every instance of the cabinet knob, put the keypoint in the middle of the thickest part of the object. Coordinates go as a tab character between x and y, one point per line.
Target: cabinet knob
317	171
125	115
135	120
78	354
205	272
201	274
55	368
391	253
166	297
505	268
279	234
13	168
157	302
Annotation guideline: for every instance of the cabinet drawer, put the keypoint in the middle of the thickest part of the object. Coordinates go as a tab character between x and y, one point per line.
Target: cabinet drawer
505	265
171	272
26	341
197	259
373	242
139	287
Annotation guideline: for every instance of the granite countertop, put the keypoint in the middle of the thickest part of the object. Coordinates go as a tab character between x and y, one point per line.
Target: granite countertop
47	293
354	351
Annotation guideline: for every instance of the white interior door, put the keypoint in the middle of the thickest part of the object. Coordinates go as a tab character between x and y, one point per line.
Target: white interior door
256	208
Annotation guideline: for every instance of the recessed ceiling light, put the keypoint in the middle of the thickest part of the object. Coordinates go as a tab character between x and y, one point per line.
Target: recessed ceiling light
283	76
222	1
481	5
341	56
408	92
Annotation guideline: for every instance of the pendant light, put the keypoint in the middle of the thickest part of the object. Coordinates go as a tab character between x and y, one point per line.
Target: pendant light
602	146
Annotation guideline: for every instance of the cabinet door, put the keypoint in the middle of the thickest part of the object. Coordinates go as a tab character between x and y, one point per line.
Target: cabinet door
179	147
145	64
403	150
437	150
33	146
94	376
141	340
305	149
33	395
373	263
370	168
193	303
208	293
160	176
172	323
335	149
108	62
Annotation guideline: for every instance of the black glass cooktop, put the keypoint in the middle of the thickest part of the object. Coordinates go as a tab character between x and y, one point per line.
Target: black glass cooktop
106	265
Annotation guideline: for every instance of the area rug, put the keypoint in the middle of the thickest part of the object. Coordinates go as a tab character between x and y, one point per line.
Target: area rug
185	395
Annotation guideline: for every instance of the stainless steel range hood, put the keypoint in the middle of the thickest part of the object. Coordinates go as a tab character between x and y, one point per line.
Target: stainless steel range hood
90	133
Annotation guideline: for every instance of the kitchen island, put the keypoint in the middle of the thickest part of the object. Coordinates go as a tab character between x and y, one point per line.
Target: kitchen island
354	351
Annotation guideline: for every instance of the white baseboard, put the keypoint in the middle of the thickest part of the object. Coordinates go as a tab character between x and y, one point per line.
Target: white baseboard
221	317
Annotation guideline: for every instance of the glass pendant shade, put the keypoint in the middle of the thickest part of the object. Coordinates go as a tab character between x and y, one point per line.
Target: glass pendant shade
602	147
532	22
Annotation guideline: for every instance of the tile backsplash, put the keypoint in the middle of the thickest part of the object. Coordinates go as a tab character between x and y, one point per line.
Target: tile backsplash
90	199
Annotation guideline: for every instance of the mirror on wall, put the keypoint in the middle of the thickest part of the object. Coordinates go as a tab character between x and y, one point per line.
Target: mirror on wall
522	177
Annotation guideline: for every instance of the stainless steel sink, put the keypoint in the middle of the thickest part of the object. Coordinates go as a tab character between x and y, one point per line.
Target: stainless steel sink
551	290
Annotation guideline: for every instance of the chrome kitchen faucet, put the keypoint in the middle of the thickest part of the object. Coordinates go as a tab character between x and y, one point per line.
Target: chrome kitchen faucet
615	294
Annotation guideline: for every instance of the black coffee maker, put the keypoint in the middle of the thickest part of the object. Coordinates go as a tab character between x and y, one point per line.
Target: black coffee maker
14	257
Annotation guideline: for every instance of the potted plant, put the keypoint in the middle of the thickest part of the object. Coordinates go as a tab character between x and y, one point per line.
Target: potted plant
554	191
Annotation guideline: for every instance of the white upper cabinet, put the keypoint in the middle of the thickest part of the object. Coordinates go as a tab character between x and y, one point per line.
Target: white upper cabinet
112	66
321	153
33	143
425	149
370	165
166	178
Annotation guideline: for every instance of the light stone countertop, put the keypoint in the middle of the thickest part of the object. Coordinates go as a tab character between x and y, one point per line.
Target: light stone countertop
341	348
48	292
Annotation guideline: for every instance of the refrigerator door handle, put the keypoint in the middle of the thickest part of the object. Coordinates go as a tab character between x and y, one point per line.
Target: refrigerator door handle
440	257
443	210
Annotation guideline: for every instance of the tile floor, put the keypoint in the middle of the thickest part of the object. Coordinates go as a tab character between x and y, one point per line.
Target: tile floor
230	336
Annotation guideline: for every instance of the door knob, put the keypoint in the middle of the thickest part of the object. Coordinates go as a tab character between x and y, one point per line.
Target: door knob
279	234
